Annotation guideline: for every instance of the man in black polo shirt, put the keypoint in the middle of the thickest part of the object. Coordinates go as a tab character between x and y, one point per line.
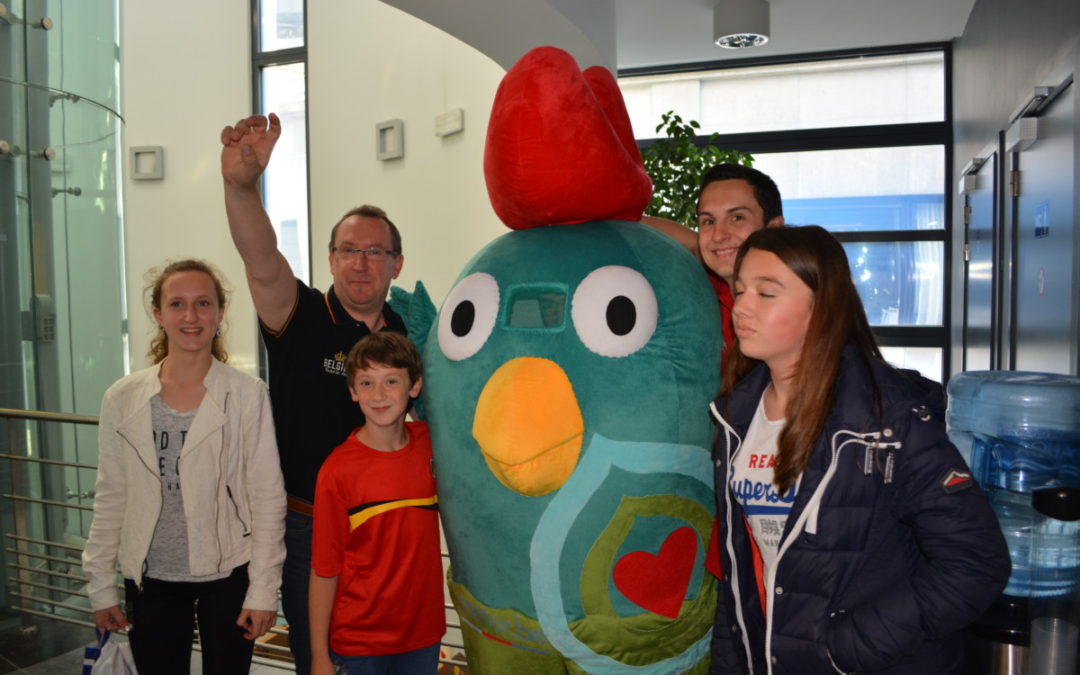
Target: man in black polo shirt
307	335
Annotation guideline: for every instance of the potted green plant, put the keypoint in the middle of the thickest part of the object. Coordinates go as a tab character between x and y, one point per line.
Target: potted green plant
676	164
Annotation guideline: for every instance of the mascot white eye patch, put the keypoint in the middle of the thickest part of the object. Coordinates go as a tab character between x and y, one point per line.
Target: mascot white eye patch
468	316
614	311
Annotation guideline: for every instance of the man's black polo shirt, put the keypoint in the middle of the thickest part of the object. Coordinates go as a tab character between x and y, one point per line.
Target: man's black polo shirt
313	412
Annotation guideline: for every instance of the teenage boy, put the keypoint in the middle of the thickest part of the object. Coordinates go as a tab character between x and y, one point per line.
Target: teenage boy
376	594
735	201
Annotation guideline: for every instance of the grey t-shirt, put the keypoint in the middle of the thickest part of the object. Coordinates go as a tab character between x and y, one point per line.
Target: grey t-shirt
168	556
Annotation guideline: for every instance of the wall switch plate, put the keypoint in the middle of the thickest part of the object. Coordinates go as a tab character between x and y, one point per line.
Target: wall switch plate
147	162
450	122
389	140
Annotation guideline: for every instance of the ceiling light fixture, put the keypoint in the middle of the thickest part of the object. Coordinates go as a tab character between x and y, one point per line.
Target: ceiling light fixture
741	23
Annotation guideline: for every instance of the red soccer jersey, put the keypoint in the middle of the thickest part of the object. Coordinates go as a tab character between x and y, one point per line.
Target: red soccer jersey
376	528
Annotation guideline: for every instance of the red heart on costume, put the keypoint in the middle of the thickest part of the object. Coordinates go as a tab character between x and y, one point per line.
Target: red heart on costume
658	582
559	146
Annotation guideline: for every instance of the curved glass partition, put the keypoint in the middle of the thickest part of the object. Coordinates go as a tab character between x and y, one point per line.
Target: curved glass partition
62	308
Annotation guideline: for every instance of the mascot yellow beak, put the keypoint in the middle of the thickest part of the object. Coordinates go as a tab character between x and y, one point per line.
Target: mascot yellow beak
529	426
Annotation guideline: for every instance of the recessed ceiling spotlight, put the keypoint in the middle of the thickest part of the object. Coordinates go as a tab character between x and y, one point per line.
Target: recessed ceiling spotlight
741	23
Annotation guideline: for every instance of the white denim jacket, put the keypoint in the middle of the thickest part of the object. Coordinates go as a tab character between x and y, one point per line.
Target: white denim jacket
230	478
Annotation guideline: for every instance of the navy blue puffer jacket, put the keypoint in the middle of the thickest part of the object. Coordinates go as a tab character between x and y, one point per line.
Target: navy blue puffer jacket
889	550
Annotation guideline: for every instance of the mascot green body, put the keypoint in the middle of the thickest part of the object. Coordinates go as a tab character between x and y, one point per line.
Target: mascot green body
567	380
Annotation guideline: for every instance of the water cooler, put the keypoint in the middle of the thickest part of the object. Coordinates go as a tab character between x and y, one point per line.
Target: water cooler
1020	433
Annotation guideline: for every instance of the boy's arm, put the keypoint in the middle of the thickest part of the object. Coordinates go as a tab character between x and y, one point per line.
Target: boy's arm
321	591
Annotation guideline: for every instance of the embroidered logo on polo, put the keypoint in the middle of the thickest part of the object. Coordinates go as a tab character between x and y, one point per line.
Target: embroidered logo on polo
956	480
336	365
358	515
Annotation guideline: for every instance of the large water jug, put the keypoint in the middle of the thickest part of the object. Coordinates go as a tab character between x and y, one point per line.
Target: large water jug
1020	432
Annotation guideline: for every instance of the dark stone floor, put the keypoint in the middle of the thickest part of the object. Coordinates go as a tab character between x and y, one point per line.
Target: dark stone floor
39	645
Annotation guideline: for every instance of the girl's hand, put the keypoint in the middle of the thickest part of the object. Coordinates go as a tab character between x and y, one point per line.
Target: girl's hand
111	618
256	621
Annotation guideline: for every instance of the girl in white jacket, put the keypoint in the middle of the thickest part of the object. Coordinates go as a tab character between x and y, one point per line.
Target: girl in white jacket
189	495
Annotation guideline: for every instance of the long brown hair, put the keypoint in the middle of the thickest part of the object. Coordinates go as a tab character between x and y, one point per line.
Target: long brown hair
837	319
159	344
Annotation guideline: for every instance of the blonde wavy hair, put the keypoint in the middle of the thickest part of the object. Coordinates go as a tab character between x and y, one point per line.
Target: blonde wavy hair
159	344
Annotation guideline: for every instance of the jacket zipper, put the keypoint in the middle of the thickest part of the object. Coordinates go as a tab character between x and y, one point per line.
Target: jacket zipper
810	512
236	509
146	556
221	477
744	637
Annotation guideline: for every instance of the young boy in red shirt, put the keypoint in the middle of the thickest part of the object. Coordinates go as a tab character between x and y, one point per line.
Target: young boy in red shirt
376	590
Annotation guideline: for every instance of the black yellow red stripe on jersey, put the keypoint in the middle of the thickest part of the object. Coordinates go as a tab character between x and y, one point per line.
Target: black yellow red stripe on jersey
358	515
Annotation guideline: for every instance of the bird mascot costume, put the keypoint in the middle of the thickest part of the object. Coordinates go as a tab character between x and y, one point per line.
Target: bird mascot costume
568	375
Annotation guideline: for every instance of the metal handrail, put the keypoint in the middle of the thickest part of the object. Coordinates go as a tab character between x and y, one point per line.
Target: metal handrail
54	462
50	587
44	542
77	562
53	603
47	502
44	416
55	617
69	418
47	572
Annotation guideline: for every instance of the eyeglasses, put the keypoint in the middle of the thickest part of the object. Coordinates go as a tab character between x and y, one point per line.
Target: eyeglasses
373	253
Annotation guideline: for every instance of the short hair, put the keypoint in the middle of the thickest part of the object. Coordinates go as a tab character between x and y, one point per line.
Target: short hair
369	211
387	349
159	344
765	190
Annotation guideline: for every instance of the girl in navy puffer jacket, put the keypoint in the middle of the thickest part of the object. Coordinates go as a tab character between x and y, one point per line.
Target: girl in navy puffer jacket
855	539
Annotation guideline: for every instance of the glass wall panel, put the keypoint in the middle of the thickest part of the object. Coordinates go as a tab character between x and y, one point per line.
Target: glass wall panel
62	305
883	198
862	189
80	53
285	181
281	24
926	360
89	292
869	90
15	282
901	283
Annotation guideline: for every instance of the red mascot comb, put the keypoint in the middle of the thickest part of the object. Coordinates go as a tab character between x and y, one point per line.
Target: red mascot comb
560	149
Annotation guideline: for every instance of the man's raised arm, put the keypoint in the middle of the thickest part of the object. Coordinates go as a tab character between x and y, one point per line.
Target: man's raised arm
245	152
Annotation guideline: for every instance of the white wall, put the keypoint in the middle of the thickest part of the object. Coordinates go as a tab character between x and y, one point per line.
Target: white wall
369	62
187	74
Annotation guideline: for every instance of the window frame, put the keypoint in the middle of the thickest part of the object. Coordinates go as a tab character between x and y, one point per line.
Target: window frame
260	60
937	133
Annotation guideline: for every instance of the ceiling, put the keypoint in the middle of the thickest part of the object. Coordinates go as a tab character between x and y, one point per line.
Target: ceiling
624	34
656	32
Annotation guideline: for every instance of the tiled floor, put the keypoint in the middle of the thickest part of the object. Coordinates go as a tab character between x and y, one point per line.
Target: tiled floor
26	648
56	648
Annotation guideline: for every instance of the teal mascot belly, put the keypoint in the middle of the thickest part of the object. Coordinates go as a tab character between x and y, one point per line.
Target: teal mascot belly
567	378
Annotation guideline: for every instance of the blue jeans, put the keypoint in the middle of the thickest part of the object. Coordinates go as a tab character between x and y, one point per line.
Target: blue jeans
295	576
423	661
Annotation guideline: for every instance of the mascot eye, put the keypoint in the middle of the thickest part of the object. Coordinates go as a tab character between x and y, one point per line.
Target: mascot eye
615	311
468	316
